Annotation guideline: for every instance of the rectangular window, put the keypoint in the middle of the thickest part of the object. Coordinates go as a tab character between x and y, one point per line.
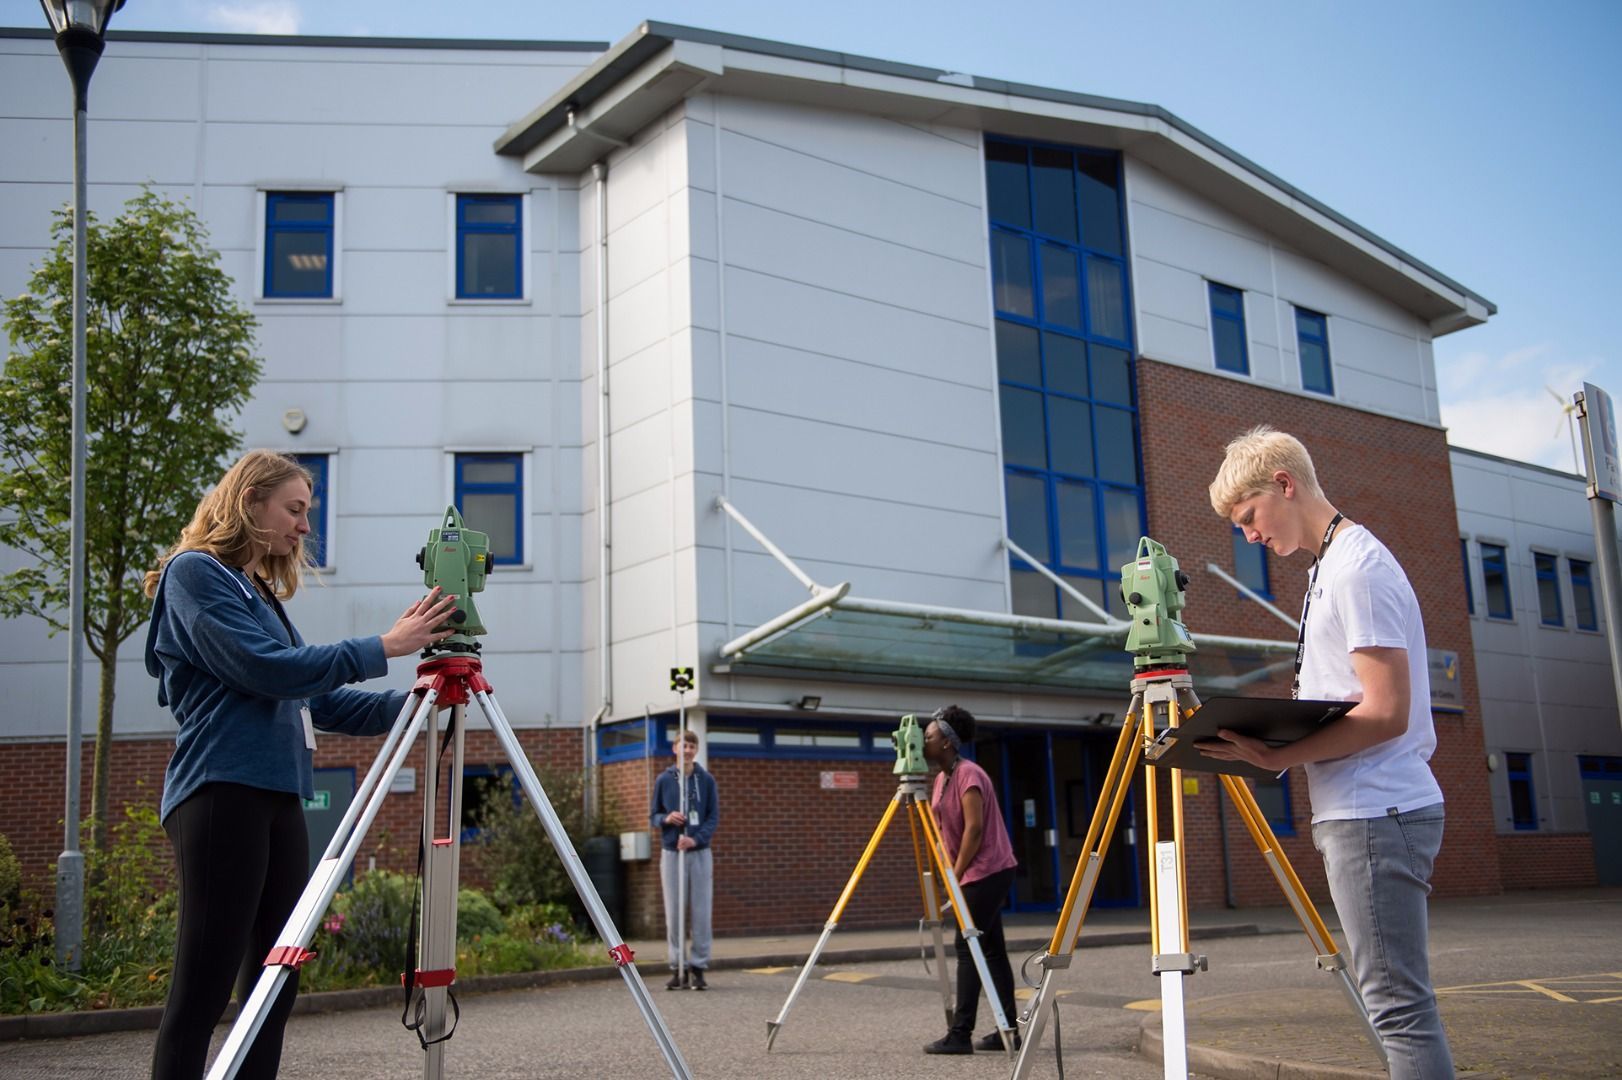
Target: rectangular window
1228	329
1523	806
624	742
1312	342
489	247
315	545
1582	595
1547	568
1495	581
490	495
298	244
1469	592
1273	796
1250	564
485	791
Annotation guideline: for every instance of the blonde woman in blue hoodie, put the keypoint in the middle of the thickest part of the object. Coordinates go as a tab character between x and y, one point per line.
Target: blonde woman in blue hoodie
248	693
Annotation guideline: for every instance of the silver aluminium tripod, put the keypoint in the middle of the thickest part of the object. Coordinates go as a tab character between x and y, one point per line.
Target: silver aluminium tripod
443	679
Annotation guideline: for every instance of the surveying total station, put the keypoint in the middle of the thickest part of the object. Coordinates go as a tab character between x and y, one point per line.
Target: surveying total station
929	856
457	559
1153	589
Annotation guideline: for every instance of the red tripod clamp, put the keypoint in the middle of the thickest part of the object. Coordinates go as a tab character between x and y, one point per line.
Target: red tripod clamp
621	954
291	956
455	677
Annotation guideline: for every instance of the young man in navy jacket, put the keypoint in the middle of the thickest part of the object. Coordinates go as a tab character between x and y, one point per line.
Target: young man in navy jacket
686	837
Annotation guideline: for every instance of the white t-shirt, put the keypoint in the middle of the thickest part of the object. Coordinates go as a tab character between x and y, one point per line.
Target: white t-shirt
1363	599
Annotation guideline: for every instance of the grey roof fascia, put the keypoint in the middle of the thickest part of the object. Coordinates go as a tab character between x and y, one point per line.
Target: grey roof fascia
652	36
1561	473
186	37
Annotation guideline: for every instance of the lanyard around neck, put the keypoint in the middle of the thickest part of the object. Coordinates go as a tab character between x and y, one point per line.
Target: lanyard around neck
1306	603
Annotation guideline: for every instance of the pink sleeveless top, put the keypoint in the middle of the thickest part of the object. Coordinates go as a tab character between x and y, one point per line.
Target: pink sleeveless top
996	853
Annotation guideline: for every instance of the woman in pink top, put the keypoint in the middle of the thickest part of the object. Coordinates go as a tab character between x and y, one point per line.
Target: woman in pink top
983	861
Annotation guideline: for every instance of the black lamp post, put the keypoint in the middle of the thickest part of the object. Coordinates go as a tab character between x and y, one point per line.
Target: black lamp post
81	27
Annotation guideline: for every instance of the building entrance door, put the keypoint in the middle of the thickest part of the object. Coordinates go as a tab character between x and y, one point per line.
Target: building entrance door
1602	797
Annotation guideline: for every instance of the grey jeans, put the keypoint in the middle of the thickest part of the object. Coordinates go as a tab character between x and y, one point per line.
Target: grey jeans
700	901
1379	876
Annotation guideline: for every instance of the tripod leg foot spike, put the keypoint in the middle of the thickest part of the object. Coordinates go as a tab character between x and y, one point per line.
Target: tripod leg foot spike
771	1034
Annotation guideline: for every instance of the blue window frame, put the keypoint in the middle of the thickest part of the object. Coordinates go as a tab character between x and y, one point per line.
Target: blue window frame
482	787
315	545
1273	796
1495	581
1547	569
1582	595
1469	590
490	495
629	741
1228	339
489	247
1523	805
298	244
826	740
1073	476
1250	564
1312	344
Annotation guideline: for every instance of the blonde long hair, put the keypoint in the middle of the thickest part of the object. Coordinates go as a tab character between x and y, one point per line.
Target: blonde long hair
223	527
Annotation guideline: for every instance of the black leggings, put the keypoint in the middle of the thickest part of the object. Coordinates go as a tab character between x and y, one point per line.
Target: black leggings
985	899
244	859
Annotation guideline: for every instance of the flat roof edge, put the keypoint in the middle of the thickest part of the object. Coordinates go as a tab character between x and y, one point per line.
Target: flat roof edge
1454	448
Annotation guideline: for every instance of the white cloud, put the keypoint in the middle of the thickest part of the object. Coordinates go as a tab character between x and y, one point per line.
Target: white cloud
1502	404
256	17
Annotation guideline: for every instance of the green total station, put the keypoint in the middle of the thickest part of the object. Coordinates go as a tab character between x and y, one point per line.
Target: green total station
1153	587
909	748
457	559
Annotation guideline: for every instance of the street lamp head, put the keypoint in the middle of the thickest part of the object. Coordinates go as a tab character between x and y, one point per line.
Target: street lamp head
87	15
81	27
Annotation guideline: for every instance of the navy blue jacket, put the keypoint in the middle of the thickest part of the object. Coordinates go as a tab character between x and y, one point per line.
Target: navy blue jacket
702	805
235	682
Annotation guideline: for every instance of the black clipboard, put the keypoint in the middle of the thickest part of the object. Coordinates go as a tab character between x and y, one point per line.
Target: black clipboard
1276	721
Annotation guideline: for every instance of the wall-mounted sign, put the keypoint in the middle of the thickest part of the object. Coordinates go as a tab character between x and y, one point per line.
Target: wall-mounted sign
1447	693
841	781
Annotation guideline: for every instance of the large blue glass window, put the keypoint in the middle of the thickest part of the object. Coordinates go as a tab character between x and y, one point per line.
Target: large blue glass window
298	244
1228	329
489	247
1073	477
490	495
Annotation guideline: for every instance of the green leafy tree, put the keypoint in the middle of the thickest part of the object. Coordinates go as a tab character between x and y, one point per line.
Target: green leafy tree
170	360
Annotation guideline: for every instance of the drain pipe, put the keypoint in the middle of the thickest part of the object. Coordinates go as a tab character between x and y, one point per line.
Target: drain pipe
599	172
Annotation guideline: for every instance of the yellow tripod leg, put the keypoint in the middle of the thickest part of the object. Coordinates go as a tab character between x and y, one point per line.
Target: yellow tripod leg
1323	943
1111	798
965	921
932	910
772	1026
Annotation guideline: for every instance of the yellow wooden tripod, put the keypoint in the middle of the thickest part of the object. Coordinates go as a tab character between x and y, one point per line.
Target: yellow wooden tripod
1167	692
912	795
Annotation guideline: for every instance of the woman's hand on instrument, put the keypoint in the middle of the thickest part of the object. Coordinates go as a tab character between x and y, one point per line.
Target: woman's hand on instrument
420	626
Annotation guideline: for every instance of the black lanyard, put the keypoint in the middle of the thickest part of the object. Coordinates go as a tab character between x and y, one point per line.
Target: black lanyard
1306	603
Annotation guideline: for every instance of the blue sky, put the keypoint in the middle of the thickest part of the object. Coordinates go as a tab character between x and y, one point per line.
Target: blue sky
1483	137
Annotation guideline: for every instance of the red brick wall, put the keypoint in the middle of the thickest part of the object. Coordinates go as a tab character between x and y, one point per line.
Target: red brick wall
1546	860
31	799
1390	475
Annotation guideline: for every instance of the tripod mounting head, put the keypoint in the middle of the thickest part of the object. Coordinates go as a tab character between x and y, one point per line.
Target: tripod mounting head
908	740
457	559
1154	588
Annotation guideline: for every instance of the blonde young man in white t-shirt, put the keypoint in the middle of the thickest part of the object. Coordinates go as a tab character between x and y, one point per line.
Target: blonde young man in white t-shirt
1376	808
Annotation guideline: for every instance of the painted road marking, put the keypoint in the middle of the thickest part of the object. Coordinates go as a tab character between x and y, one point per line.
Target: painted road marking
1603	988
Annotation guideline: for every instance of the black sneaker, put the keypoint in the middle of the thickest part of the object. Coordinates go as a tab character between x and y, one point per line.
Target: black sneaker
677	981
950	1043
698	979
994	1042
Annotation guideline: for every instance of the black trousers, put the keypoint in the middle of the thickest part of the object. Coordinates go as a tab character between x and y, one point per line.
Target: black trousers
244	858
985	899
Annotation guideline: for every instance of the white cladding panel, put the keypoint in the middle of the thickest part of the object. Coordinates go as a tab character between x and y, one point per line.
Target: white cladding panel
1380	357
392	373
1545	689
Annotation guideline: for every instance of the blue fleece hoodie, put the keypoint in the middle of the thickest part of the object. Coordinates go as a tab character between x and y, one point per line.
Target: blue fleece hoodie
235	682
702	806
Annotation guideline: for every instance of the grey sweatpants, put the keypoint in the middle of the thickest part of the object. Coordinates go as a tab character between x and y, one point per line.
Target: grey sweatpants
700	902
